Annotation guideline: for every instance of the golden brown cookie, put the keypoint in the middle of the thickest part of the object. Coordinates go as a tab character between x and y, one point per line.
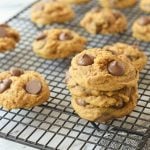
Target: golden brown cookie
51	11
76	1
97	69
117	3
133	52
22	89
99	98
58	43
104	21
103	114
141	28
8	38
145	5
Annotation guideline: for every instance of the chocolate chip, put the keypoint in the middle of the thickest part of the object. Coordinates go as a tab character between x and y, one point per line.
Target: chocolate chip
33	86
3	32
145	20
116	68
5	84
96	9
41	36
64	36
16	71
81	102
86	60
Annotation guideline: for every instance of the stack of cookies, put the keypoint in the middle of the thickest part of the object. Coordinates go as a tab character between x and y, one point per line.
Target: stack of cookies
103	82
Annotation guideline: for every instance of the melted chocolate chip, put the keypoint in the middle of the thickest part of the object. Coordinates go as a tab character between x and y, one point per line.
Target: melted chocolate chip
33	86
145	20
86	60
3	32
41	37
81	102
16	71
64	36
116	68
5	84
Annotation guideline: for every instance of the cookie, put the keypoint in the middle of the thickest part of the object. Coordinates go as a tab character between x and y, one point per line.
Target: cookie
141	28
9	37
117	3
48	12
133	52
22	89
97	69
103	114
100	98
76	1
145	5
58	43
104	21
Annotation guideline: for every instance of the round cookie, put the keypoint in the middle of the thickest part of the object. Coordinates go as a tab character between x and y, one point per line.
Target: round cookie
51	11
117	3
22	89
100	98
145	5
96	69
58	43
102	114
141	28
137	57
104	21
8	38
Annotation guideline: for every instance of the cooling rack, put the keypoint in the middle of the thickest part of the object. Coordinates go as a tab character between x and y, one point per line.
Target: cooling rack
54	125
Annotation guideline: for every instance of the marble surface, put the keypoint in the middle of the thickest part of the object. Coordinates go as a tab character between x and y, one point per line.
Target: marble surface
9	8
6	145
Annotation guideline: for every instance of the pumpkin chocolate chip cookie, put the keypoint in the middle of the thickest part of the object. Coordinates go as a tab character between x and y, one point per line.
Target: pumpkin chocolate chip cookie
145	5
117	3
22	89
8	38
141	28
133	52
104	21
103	84
51	11
103	114
58	43
102	70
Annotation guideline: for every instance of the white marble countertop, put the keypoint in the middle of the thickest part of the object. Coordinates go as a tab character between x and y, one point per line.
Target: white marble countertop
9	8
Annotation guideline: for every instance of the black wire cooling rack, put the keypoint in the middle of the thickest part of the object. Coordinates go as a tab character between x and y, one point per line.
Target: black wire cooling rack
54	125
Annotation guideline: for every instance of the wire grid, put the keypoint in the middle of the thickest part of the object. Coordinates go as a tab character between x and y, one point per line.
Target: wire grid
54	125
